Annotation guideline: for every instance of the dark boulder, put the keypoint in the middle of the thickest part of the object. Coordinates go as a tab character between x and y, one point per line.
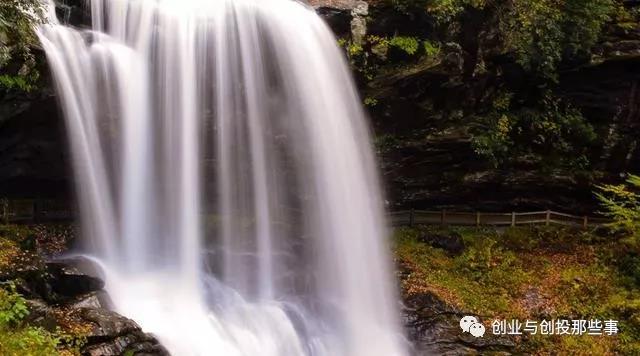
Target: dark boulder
449	241
68	281
63	294
113	335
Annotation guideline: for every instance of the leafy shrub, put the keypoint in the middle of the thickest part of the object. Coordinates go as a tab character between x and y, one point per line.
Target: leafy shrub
544	32
622	204
370	102
431	49
13	307
442	10
551	132
17	37
17	339
541	33
20	234
409	45
629	266
583	23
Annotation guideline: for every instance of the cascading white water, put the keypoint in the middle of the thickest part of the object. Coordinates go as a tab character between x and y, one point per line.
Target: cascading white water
225	177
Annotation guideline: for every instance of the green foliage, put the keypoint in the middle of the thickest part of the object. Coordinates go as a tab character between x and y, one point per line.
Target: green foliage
494	140
629	266
442	10
17	336
16	233
388	142
357	57
583	23
552	133
622	204
28	342
556	130
354	49
17	339
21	82
533	31
431	49
370	102
541	33
378	54
13	307
544	32
528	273
18	19
409	45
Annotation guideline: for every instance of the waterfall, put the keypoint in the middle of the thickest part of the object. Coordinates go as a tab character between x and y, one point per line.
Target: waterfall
225	177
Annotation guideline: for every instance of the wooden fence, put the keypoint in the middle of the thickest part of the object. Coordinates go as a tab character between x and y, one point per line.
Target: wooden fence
444	217
39	210
24	211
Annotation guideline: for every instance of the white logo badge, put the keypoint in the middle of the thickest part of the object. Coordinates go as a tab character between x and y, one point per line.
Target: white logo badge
470	324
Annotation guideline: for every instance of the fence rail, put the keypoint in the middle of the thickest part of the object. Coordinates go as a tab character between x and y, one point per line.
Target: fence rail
444	217
35	211
40	210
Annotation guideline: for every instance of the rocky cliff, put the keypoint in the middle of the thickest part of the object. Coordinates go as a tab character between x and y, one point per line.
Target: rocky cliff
429	108
428	105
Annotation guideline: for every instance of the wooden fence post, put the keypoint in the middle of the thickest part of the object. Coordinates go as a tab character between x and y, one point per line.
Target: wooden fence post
443	217
411	217
548	218
513	219
5	210
36	211
585	222
477	219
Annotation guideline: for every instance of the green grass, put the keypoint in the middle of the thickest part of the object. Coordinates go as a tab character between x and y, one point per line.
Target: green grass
531	273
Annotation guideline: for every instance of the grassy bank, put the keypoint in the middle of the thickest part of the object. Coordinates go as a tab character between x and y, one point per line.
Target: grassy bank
532	273
21	251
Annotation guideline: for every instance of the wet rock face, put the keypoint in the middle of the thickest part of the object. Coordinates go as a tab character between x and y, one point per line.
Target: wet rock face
34	160
335	4
347	18
33	154
63	294
113	335
433	100
73	12
433	105
434	329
